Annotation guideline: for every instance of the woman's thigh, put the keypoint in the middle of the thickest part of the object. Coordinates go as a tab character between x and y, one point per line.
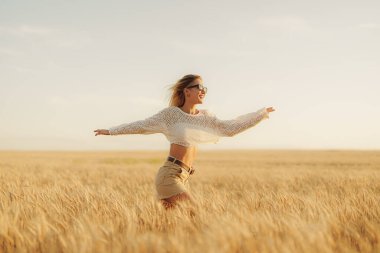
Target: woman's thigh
180	196
178	199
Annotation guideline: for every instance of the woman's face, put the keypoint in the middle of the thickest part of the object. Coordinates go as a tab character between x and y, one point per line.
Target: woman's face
194	95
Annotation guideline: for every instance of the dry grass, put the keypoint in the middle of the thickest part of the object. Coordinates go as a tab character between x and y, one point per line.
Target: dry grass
249	201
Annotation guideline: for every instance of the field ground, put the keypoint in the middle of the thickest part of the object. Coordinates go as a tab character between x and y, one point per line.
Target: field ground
248	201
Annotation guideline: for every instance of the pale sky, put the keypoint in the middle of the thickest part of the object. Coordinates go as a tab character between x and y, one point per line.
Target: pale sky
69	67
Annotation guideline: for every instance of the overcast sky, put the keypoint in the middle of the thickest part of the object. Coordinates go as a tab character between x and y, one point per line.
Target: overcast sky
69	67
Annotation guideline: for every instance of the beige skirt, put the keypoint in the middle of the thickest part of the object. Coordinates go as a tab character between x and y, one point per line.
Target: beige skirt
171	179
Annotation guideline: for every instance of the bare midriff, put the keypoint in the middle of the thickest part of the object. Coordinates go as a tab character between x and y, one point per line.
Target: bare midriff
185	154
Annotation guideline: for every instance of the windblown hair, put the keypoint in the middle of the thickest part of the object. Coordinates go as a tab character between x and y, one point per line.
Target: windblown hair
178	97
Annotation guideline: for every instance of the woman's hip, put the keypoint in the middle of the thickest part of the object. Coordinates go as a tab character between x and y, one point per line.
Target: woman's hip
170	173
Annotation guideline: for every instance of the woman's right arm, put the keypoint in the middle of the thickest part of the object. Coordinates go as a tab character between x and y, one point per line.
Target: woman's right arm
150	125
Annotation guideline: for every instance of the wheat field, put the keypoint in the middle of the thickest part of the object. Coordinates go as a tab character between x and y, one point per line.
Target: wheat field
247	201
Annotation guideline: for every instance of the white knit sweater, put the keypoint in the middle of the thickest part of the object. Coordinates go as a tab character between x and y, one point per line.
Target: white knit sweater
188	129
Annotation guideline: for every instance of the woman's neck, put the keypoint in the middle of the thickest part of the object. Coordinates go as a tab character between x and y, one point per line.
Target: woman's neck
190	109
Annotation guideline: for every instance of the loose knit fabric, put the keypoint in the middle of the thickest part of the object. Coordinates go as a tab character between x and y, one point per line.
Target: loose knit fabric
188	129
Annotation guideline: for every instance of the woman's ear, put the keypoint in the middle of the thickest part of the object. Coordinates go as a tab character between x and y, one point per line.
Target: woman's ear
185	91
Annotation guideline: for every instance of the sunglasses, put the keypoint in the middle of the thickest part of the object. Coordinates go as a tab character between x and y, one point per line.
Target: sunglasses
199	87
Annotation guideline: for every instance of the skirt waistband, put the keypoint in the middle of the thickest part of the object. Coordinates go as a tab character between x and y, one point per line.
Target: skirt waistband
189	169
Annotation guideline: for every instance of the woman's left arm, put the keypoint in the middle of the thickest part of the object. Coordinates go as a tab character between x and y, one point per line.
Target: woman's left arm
241	123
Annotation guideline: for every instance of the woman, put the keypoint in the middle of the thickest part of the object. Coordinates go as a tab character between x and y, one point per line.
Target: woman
185	127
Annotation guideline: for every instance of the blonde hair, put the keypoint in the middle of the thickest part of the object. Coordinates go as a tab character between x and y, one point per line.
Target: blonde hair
178	97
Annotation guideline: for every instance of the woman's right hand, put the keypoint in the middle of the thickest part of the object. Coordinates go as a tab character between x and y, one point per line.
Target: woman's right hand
102	132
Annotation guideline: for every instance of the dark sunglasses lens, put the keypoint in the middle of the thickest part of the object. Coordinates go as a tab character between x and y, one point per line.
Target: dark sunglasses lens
200	87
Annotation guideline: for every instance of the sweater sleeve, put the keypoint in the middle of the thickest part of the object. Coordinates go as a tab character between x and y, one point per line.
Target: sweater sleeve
150	125
239	124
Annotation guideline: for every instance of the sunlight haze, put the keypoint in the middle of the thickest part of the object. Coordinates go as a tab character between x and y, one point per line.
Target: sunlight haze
70	67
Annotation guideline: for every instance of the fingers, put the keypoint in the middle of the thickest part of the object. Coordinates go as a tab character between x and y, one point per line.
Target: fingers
102	132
